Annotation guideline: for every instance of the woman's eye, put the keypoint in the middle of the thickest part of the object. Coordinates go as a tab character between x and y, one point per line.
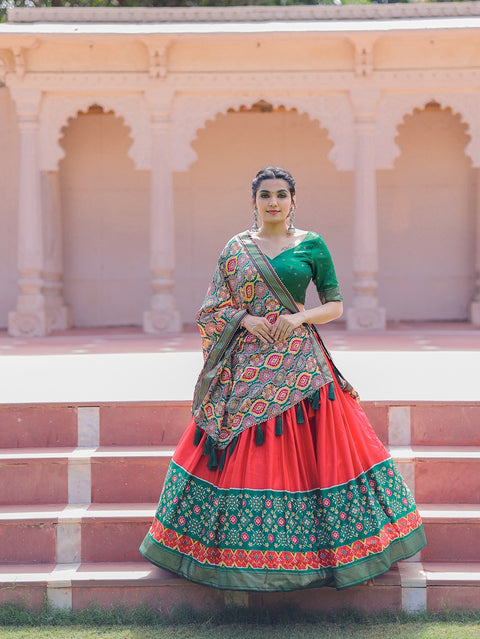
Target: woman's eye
264	195
282	195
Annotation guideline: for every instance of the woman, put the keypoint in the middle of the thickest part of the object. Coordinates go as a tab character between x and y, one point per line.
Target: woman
279	481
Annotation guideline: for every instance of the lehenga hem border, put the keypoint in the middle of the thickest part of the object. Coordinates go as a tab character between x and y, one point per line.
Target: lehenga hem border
283	580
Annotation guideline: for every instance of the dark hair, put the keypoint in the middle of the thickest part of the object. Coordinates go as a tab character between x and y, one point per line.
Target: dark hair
273	173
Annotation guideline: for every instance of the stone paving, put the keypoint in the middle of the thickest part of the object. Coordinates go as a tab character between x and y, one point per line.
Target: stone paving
406	362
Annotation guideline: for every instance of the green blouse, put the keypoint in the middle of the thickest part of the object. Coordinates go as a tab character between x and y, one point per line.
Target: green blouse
309	260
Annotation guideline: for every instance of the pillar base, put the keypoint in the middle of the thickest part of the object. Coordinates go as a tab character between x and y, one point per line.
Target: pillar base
475	313
366	319
59	318
32	323
166	321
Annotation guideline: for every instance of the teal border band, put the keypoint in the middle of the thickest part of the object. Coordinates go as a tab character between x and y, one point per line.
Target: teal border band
262	580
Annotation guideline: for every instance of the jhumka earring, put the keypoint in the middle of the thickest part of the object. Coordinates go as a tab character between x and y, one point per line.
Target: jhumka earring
255	220
291	225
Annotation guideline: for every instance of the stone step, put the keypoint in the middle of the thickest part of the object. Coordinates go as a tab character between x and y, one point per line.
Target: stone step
162	423
410	586
136	474
82	475
440	474
113	532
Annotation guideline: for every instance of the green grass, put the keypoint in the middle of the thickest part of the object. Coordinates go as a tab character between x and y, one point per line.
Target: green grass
17	622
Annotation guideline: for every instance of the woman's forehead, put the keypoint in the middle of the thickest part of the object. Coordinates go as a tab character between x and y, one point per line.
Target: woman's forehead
274	184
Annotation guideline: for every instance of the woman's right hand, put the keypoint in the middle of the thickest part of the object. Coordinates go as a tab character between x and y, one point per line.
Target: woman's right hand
258	326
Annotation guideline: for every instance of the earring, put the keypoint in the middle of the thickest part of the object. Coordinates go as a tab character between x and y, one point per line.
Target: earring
255	220
291	225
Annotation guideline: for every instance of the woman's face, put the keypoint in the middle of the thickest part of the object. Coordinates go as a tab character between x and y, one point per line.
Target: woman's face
273	201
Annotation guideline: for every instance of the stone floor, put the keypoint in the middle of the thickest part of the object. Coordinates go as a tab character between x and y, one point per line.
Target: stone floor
408	361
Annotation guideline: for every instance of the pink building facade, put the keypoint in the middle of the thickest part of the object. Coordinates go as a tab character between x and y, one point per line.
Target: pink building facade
128	140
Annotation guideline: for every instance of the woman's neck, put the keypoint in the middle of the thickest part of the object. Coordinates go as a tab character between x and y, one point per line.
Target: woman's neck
273	231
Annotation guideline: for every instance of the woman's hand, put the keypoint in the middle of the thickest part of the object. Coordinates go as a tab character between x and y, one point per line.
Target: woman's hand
258	326
285	325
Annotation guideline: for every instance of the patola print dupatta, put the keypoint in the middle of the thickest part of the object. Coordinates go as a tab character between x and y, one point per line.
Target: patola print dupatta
243	381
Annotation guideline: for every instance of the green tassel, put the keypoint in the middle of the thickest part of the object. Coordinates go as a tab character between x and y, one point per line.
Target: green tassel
278	425
198	436
222	459
212	459
316	400
207	449
300	418
232	446
331	392
259	435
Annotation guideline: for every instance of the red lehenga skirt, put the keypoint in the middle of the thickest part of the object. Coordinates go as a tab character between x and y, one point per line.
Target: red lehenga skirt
315	501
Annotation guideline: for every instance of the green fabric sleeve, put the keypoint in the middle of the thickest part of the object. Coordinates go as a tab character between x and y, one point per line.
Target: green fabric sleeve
324	275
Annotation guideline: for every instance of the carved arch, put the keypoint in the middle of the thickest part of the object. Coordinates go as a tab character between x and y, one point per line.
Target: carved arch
394	108
191	113
56	110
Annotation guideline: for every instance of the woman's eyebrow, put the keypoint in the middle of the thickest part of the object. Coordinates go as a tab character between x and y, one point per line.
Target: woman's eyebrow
279	191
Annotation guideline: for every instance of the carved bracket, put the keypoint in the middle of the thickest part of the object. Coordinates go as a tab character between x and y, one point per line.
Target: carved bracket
158	57
364	45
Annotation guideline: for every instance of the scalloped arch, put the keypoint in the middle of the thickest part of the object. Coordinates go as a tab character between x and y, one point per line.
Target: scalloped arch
57	110
394	108
191	113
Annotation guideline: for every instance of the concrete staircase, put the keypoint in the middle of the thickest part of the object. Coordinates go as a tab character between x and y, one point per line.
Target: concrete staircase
79	485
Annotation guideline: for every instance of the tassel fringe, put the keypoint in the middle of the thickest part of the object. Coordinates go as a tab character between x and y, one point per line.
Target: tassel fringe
331	392
198	436
300	417
316	400
278	425
212	459
259	436
207	449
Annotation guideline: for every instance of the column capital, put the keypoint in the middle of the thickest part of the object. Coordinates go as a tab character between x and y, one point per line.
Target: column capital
27	104
365	104
159	103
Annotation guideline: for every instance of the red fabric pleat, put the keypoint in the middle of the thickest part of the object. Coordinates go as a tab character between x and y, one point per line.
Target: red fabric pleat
335	444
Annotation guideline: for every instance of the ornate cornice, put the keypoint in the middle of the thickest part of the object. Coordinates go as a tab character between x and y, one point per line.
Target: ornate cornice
408	80
244	13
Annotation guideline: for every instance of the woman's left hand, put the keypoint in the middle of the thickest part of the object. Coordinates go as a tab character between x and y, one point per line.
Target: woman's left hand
285	325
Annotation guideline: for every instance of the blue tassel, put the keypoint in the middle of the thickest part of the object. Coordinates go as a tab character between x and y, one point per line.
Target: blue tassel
222	459
300	418
259	435
207	449
198	436
212	459
316	400
278	425
331	392
232	446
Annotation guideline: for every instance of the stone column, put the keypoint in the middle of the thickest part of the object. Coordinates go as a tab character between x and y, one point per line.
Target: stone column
366	313
475	303
163	316
59	316
30	316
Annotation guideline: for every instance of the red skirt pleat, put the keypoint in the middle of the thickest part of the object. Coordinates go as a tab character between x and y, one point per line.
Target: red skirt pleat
335	443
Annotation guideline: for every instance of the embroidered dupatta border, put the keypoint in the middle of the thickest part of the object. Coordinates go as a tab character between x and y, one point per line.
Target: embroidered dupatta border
215	356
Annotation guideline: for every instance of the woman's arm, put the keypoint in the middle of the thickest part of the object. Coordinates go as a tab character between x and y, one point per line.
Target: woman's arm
285	324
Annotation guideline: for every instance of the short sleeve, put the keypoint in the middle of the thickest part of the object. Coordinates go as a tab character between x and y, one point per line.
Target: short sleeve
324	275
